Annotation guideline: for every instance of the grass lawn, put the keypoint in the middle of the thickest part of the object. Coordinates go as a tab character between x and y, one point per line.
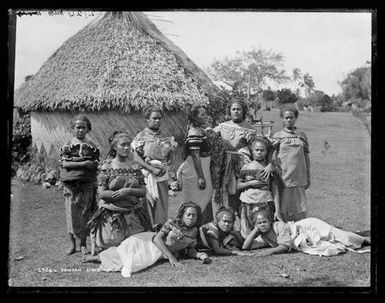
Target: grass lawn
339	194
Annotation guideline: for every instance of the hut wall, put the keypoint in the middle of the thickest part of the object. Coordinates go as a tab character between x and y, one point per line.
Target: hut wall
50	130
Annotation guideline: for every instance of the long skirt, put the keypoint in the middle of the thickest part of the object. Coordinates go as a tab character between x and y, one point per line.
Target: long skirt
230	197
80	203
113	227
190	190
160	209
133	254
247	211
293	203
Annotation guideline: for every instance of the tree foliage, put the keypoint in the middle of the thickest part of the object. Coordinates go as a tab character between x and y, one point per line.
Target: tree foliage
254	67
356	87
285	95
21	141
308	84
268	95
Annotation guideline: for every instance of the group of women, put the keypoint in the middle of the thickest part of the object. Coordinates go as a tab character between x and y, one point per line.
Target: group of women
236	185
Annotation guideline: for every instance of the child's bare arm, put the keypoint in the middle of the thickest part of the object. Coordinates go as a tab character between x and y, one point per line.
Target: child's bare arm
243	185
214	244
159	242
280	249
194	254
82	164
250	238
277	204
307	161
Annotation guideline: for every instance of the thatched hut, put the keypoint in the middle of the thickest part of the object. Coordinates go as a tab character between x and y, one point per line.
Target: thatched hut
111	70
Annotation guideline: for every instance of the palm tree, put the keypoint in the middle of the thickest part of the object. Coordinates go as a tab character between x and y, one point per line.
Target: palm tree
308	84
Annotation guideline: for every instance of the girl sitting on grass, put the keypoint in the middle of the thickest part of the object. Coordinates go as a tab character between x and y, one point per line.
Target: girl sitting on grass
220	235
177	237
310	235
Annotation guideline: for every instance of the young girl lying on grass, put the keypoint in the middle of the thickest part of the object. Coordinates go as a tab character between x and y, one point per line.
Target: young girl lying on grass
310	235
220	235
177	237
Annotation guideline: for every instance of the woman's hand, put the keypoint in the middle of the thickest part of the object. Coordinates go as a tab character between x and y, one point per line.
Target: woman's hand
277	216
243	253
254	183
174	262
202	183
120	193
90	164
307	184
268	171
262	253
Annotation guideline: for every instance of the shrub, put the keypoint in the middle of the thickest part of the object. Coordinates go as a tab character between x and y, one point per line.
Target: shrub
285	95
21	141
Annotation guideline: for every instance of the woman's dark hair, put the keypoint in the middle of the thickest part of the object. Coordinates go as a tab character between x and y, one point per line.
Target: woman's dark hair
192	112
223	210
288	108
266	142
113	139
242	104
81	118
182	209
151	109
262	211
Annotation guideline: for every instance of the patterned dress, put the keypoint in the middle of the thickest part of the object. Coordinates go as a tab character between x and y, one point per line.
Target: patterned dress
253	199
79	186
115	221
148	144
232	136
139	251
225	239
291	147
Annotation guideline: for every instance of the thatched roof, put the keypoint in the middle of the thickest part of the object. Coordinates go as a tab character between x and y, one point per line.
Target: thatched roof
118	61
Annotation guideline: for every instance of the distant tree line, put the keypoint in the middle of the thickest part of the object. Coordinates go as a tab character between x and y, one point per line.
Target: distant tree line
250	75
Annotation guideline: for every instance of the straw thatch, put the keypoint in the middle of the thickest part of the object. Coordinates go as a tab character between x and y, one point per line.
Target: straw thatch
119	61
111	70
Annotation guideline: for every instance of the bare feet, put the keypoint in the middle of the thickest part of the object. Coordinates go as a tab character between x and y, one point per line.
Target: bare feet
84	250
83	246
366	241
91	259
72	247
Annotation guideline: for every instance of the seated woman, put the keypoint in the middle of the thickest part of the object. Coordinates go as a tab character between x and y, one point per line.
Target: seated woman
121	190
177	237
310	235
220	235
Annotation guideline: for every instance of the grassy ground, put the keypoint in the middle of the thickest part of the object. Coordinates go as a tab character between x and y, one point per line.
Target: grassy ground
339	195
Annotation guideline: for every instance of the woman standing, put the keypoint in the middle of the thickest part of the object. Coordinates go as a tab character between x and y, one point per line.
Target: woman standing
235	133
195	170
293	166
154	151
79	159
121	190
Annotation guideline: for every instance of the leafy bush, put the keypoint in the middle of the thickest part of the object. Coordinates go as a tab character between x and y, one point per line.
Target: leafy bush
285	95
21	141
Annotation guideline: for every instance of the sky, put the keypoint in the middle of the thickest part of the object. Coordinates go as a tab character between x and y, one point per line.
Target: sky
327	45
